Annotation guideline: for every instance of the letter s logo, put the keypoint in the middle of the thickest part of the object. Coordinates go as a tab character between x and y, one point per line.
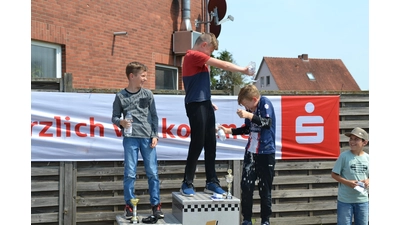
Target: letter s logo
306	125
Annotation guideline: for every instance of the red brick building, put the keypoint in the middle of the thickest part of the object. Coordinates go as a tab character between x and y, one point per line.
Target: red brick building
77	37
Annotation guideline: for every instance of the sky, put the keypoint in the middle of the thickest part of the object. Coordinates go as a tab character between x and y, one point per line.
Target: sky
322	29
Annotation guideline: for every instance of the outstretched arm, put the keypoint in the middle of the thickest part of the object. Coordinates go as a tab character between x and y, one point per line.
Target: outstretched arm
227	66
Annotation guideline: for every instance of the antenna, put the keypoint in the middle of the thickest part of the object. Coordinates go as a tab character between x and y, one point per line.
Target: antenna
217	11
216	17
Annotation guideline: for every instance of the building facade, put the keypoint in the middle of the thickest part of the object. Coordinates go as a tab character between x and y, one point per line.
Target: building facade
95	40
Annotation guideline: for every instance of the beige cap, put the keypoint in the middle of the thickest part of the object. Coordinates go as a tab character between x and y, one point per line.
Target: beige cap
359	133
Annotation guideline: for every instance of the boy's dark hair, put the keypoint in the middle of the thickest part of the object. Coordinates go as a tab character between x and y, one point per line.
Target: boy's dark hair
135	68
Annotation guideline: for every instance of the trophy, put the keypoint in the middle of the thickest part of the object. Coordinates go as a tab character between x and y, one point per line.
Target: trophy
135	218
229	180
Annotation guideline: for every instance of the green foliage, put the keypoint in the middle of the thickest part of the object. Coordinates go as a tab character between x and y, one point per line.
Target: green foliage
226	80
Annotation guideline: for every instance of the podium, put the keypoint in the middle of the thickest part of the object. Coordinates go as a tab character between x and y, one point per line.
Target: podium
201	208
196	210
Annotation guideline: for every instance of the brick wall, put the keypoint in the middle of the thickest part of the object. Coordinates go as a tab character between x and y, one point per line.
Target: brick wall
91	53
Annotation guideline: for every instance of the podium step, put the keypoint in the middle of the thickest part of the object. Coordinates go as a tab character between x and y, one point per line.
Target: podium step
169	219
200	209
197	210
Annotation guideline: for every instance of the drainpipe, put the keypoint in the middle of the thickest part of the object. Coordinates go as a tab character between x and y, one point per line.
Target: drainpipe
186	25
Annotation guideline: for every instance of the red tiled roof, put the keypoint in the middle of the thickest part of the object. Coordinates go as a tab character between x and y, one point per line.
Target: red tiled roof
291	74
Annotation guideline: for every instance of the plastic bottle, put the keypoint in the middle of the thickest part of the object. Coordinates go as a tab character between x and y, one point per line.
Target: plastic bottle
221	133
128	130
252	68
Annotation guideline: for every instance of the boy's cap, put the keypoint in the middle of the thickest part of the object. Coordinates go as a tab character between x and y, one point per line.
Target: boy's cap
359	133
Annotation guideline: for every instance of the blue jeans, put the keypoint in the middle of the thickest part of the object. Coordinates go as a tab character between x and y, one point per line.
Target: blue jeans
345	212
132	146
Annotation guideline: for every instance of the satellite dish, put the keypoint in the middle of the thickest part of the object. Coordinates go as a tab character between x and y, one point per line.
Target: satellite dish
215	29
218	6
221	7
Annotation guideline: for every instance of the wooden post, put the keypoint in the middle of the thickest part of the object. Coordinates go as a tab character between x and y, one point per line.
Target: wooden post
237	175
70	193
67	82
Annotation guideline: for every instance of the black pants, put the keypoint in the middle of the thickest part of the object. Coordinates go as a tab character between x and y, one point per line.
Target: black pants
262	167
202	133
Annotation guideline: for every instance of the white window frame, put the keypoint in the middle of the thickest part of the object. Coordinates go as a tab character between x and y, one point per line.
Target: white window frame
175	72
310	76
58	54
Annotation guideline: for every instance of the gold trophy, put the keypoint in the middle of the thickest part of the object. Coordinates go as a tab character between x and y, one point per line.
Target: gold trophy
135	218
229	180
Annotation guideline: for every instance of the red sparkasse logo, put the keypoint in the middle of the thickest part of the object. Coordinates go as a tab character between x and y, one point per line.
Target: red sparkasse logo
310	127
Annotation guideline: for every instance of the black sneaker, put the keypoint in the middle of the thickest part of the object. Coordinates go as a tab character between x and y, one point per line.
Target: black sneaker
128	212
157	211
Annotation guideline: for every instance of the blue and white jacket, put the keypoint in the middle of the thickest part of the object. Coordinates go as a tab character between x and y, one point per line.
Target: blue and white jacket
261	128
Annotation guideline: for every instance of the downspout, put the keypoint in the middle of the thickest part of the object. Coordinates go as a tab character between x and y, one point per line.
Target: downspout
206	16
186	25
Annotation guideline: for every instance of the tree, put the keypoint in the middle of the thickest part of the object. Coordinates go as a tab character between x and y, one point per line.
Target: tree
226	80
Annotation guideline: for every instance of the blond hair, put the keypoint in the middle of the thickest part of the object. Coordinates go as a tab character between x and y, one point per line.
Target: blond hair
209	38
248	92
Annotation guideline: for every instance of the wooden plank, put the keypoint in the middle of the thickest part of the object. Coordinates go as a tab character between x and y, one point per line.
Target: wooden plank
82	201
44	201
355	98
311	206
140	184
37	186
162	170
300	179
323	192
45	171
325	219
350	124
44	218
236	177
70	194
103	216
354	111
303	165
67	82
100	216
169	219
101	171
61	194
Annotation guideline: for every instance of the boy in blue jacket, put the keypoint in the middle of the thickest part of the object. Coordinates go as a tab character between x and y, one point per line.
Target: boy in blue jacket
259	156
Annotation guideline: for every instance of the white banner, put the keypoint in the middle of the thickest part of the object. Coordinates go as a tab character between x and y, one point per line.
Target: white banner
78	127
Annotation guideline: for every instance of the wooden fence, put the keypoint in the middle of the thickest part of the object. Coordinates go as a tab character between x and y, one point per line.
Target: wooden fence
73	193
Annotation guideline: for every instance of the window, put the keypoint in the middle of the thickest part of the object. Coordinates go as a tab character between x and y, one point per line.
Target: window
45	60
166	77
310	76
268	82
262	82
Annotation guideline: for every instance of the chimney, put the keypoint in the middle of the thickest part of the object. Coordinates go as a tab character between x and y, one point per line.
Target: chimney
303	56
186	25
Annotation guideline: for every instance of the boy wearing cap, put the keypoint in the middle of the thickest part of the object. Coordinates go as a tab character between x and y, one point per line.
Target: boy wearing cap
351	170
